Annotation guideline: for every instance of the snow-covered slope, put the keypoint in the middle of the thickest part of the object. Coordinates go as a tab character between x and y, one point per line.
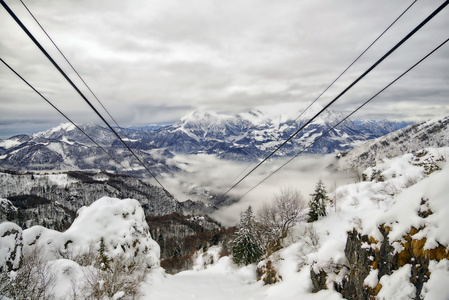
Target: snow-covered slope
385	237
432	133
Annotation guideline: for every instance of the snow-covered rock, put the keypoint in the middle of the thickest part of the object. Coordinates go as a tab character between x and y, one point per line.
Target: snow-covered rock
10	246
107	251
120	224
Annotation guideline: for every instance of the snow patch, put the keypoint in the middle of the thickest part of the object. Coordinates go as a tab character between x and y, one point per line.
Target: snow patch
9	143
436	287
397	285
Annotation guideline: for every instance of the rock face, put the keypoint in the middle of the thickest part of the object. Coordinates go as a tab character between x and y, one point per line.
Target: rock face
364	255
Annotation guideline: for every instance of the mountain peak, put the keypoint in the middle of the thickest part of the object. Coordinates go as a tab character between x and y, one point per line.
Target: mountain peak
61	127
202	116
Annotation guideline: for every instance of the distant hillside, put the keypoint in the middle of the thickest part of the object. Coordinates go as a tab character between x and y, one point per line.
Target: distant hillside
53	199
433	133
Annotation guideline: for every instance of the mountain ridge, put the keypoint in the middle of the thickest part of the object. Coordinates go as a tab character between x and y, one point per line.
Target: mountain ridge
246	136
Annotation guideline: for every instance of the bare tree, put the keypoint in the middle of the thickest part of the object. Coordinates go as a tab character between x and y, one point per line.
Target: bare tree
34	279
123	275
275	219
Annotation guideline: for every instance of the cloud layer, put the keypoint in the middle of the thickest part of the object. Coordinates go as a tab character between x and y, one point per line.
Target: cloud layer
208	173
155	61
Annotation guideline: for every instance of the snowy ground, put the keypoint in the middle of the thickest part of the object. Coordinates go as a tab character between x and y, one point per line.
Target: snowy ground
225	281
393	200
392	195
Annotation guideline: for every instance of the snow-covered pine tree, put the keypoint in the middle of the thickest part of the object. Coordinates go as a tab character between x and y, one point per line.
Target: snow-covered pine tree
247	246
318	203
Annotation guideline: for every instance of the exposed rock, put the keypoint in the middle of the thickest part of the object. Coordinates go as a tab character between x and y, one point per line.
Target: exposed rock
359	266
364	254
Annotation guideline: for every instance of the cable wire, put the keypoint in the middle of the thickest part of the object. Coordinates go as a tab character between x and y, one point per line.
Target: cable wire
335	80
11	13
394	48
59	111
76	72
330	85
344	119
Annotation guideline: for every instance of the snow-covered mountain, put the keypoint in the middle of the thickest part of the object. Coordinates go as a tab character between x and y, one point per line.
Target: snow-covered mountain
251	135
245	137
248	136
66	148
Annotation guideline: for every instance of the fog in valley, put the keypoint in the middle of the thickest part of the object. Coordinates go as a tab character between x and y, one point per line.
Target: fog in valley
208	173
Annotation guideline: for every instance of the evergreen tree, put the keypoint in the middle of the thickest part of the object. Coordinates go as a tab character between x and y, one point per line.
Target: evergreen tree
215	238
318	203
104	259
247	246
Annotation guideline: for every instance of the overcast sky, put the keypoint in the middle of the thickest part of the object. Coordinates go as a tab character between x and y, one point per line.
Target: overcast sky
155	61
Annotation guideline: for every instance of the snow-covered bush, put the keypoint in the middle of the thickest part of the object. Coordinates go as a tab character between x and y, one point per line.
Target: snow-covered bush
34	279
121	276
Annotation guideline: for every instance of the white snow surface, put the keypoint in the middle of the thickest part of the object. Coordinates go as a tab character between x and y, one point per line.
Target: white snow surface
8	243
395	201
61	127
436	288
9	143
120	223
397	286
225	280
364	206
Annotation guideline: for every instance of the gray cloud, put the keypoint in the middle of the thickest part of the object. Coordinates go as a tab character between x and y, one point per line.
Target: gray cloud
172	56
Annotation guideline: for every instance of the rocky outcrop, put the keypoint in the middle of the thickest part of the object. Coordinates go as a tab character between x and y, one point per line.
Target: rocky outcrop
364	255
